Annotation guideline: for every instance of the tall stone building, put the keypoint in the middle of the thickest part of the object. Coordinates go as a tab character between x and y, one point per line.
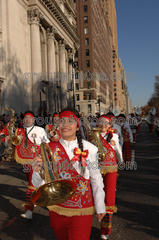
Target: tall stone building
109	9
94	89
37	39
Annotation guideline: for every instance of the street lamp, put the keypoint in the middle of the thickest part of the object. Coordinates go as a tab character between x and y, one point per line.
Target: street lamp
99	100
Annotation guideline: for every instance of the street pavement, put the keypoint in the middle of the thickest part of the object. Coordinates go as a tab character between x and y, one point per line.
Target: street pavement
137	199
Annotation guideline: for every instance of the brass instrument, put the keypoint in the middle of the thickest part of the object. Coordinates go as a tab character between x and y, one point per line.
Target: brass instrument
96	136
14	140
96	140
55	190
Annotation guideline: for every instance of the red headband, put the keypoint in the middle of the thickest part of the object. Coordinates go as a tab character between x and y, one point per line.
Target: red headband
70	114
55	115
109	119
29	114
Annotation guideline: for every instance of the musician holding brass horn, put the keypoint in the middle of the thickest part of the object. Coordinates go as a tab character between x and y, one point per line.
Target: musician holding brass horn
109	168
52	129
76	160
29	147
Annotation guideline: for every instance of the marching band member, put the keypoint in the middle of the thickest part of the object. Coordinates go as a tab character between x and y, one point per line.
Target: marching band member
127	138
109	169
52	129
116	127
26	151
151	120
72	219
3	139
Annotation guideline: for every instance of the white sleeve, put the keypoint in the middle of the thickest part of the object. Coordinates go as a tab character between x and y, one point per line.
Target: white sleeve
97	183
130	133
118	150
120	138
44	136
37	181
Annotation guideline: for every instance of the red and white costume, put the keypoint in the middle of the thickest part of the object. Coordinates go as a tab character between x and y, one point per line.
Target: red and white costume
56	137
71	217
127	139
24	155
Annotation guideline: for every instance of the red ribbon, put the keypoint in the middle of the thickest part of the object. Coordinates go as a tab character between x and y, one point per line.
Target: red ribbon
78	153
110	130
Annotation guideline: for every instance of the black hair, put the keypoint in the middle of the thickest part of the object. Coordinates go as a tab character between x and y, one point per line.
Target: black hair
122	115
110	113
29	111
109	136
78	133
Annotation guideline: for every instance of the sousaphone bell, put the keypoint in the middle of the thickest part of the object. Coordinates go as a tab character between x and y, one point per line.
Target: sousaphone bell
56	190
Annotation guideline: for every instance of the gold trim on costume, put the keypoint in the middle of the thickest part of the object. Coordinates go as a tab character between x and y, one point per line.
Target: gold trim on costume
72	212
106	225
108	169
114	208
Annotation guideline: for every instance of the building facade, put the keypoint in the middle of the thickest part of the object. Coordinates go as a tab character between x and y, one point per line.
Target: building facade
94	88
118	75
37	39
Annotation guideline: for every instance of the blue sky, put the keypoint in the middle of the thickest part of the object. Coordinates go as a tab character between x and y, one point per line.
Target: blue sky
138	45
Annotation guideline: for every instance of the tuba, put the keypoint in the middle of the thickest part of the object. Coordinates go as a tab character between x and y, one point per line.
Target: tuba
95	134
14	140
55	190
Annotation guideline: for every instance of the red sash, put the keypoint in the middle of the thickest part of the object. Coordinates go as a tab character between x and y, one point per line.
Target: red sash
22	154
81	203
110	162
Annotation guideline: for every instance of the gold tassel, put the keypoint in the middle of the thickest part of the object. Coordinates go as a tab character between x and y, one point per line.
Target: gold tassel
72	212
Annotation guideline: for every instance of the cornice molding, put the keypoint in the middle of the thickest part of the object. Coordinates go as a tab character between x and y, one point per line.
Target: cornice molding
56	11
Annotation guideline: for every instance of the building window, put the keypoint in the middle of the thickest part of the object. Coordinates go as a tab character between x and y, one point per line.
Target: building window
89	96
115	90
85	19
86	30
115	94
113	61
87	52
76	54
85	8
113	66
88	74
78	108
88	85
77	86
115	99
87	63
89	108
86	41
77	97
76	75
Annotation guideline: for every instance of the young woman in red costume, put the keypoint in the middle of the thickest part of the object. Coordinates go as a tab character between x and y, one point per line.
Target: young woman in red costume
76	159
109	169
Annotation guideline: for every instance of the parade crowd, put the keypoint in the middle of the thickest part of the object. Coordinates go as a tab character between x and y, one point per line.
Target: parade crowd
86	151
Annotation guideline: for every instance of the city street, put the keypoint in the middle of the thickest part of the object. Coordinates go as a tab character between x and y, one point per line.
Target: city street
137	200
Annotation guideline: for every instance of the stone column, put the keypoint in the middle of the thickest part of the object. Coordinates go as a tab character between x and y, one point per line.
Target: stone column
71	77
34	17
51	67
62	70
